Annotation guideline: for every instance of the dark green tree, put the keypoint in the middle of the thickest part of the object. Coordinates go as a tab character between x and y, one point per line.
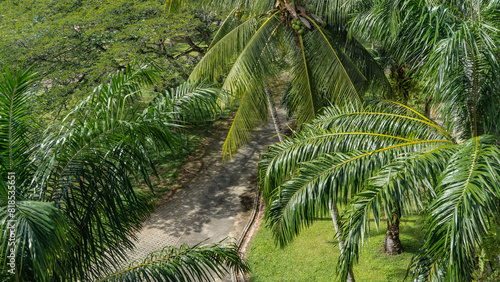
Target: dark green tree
74	45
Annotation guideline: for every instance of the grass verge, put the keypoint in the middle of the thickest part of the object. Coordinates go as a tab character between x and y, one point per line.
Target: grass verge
313	255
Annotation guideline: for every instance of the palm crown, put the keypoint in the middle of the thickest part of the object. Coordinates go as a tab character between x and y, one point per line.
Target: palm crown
453	46
259	37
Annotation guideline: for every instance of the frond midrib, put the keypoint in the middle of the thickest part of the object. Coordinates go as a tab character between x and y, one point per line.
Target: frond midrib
471	171
442	131
246	47
338	59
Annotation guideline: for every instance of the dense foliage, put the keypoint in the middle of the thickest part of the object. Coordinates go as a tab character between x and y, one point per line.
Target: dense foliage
453	48
74	45
68	188
75	205
389	160
258	41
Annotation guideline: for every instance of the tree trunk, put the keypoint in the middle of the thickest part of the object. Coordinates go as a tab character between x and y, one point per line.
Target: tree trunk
392	245
427	106
336	222
193	46
274	114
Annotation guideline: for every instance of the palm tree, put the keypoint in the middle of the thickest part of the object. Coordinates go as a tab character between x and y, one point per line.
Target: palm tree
68	205
396	160
327	66
259	37
453	47
387	160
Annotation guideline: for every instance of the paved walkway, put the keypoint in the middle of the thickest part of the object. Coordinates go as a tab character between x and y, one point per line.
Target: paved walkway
216	204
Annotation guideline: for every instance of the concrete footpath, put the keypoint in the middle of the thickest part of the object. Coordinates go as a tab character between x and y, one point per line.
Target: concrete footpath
215	204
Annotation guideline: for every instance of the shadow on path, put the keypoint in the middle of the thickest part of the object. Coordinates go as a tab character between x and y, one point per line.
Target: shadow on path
214	205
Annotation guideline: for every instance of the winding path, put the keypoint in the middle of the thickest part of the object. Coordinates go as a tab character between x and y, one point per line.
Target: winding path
215	204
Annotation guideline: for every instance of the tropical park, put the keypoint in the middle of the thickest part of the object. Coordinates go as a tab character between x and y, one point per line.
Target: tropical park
239	140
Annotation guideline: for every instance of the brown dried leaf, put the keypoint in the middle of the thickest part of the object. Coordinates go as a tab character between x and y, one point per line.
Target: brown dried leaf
291	9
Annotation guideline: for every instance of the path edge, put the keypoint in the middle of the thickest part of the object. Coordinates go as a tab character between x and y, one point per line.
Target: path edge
244	239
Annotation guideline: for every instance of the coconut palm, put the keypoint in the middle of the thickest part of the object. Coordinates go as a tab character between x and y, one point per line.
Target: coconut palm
259	38
387	160
75	210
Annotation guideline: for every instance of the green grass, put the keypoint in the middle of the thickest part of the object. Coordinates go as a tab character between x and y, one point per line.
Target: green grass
313	255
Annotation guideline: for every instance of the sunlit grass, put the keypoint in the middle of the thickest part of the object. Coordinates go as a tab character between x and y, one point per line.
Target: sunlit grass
313	255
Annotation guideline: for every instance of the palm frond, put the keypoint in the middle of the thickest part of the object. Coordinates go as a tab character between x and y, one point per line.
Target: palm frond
184	264
217	61
344	130
86	164
248	69
333	177
471	67
383	117
189	102
468	194
251	69
451	46
340	81
282	159
229	24
378	86
403	185
39	233
302	99
376	21
15	109
252	112
352	75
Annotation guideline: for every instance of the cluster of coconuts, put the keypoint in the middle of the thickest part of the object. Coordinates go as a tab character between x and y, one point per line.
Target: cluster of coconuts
298	26
238	14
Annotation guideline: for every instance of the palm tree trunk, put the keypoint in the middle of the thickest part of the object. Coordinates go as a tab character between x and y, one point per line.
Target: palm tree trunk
274	113
336	222
392	244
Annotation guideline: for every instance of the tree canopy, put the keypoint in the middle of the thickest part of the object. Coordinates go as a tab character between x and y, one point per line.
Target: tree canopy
74	45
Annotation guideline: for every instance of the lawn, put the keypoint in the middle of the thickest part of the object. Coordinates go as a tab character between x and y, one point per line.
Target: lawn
313	255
